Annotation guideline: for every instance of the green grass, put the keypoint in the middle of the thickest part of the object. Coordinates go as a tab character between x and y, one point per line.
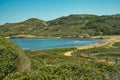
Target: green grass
59	67
12	58
101	53
53	65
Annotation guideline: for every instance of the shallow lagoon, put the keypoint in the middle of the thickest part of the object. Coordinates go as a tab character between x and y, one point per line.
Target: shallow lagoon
49	43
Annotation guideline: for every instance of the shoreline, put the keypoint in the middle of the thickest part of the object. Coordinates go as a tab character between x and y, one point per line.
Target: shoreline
27	37
33	36
107	41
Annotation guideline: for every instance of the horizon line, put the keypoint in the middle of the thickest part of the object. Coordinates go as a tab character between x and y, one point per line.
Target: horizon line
58	17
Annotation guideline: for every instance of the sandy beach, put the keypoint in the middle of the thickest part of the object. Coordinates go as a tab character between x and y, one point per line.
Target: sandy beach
107	41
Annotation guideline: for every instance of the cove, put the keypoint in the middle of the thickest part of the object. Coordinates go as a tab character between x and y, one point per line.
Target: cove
50	43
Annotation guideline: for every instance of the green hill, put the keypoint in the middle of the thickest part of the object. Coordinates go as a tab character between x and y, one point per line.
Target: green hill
12	58
68	26
30	26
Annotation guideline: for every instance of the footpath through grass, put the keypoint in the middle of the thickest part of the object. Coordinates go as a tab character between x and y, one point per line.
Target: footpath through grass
106	52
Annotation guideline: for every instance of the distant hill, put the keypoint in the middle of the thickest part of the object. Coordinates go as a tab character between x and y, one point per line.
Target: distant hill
75	25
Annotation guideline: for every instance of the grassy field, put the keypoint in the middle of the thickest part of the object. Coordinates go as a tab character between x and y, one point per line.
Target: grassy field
107	53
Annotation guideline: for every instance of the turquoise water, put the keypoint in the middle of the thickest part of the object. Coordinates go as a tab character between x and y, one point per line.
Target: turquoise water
49	43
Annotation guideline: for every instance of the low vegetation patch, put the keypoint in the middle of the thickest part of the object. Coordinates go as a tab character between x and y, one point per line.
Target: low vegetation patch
53	65
11	57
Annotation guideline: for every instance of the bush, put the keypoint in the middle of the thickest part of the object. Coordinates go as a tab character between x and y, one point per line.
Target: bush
10	56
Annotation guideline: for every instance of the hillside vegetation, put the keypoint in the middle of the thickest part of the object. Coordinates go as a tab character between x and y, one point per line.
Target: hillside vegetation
12	58
67	26
16	64
51	65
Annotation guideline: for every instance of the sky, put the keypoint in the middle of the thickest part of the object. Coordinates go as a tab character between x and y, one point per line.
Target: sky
12	11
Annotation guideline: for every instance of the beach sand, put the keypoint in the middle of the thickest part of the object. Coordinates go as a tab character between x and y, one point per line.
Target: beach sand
107	41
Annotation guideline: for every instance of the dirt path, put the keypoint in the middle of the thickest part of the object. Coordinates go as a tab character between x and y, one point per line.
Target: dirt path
24	63
104	60
107	41
68	53
86	47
